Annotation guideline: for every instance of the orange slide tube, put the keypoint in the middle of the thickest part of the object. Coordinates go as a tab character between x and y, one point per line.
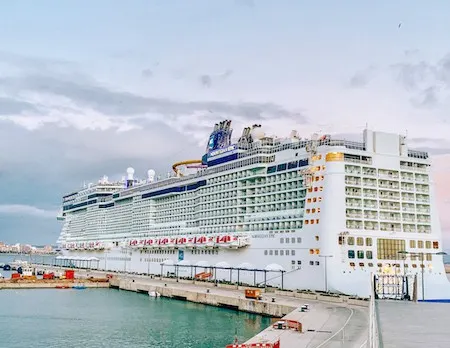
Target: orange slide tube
183	163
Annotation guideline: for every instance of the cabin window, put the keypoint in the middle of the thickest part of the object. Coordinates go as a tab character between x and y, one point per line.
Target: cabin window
360	254
435	245
351	254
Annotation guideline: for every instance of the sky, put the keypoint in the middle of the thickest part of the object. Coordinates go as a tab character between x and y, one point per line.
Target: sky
90	88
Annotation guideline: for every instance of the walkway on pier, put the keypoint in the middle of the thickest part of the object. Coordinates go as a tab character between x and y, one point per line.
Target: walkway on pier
414	325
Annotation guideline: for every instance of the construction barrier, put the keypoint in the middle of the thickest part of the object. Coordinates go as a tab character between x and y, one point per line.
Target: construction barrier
250	345
287	324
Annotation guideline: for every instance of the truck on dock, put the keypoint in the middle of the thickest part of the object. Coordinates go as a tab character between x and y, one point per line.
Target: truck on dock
254	294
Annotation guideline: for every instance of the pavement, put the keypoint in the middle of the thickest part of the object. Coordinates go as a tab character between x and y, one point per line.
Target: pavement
324	325
407	324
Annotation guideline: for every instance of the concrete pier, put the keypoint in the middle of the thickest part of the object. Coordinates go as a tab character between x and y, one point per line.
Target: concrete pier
49	284
414	325
331	321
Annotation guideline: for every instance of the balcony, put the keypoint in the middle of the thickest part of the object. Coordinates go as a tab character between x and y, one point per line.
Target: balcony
422	188
354	192
390	227
386	205
407	187
389	174
353	203
369	193
392	185
369	182
354	224
352	181
369	171
371	204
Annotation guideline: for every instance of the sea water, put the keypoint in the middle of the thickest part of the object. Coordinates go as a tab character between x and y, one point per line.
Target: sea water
110	318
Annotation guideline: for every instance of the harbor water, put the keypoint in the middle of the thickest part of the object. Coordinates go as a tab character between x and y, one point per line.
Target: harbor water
94	318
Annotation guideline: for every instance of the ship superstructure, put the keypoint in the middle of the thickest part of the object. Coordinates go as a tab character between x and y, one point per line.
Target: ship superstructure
324	213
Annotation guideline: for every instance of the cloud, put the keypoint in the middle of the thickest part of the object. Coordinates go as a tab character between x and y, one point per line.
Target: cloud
426	82
206	81
27	210
434	146
362	78
66	102
10	106
147	73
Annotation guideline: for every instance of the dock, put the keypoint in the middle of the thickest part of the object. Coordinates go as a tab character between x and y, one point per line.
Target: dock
50	283
330	321
414	325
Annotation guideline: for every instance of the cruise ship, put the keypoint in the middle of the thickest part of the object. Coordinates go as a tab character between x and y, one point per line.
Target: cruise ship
313	213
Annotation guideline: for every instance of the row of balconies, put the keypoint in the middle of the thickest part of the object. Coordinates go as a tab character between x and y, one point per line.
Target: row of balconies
388	226
289	177
421	168
386	173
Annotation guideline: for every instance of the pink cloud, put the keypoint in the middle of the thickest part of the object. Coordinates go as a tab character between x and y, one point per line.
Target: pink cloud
441	174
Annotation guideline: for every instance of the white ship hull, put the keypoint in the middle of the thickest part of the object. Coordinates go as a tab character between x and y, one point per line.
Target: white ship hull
321	215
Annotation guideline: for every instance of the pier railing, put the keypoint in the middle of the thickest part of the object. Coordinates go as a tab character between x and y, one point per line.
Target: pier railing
374	332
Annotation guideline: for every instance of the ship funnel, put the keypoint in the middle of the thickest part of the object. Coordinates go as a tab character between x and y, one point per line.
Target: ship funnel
130	173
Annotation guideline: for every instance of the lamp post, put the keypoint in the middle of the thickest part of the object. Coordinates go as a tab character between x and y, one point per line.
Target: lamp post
326	275
422	266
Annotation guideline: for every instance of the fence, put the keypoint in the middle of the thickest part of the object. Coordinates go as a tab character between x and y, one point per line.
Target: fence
374	332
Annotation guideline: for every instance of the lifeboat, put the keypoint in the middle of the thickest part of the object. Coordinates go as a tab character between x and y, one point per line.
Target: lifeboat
141	243
133	243
149	243
162	243
200	241
181	241
239	242
224	241
98	246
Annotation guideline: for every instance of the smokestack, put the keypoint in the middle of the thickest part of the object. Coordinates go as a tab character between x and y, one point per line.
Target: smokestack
130	173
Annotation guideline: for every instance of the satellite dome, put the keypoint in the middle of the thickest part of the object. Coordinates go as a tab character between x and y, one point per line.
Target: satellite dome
151	173
130	172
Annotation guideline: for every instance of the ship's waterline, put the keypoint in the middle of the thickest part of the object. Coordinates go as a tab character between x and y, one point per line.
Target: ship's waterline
317	213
